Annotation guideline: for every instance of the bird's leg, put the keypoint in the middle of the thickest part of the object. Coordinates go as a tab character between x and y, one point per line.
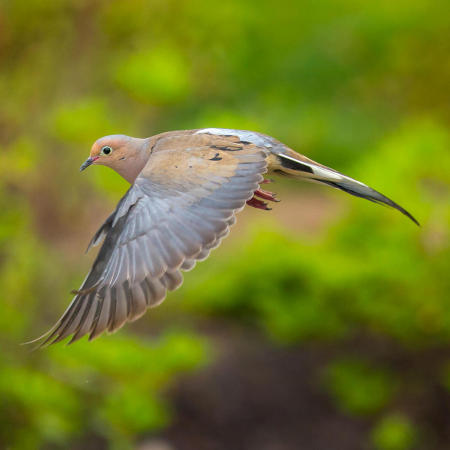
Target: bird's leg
266	195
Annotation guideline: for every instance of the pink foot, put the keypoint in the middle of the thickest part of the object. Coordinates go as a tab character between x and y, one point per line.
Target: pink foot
256	203
266	195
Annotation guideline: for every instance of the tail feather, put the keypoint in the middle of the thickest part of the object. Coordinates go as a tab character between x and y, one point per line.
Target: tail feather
293	163
369	194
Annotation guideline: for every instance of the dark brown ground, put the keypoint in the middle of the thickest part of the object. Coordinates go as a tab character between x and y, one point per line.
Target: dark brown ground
260	397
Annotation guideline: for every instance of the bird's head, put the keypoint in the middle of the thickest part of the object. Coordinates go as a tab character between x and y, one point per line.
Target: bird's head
124	154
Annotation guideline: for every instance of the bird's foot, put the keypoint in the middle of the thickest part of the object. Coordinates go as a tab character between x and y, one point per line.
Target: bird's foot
266	195
256	203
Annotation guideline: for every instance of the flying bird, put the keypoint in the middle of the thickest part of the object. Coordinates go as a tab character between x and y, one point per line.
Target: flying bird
186	188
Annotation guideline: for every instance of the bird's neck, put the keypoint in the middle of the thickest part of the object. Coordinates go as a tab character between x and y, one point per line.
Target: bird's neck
135	162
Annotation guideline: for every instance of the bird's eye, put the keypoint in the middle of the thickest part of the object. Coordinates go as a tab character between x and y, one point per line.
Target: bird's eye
106	150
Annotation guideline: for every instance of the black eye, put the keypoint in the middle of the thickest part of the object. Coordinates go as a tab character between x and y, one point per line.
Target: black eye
106	150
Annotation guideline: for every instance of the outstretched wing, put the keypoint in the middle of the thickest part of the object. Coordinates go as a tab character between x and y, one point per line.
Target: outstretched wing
179	208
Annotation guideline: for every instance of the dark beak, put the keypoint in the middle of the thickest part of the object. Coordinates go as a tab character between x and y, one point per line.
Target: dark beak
87	163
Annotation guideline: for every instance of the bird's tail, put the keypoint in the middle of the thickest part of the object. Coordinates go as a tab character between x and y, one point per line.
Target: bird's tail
293	164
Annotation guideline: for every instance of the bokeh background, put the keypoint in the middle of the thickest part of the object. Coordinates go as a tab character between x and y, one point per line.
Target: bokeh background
324	323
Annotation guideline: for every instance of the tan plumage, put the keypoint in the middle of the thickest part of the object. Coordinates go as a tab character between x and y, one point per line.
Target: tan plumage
187	187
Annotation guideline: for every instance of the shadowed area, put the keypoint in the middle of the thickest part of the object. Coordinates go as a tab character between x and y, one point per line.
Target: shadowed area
262	397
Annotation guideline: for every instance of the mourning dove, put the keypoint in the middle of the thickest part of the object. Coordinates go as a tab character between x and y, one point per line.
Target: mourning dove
186	188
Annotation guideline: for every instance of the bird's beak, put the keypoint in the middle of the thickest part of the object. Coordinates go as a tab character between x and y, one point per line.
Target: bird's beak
87	163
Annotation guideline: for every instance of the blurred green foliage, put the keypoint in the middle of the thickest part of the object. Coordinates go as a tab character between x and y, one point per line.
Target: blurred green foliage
359	86
166	82
394	432
359	388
